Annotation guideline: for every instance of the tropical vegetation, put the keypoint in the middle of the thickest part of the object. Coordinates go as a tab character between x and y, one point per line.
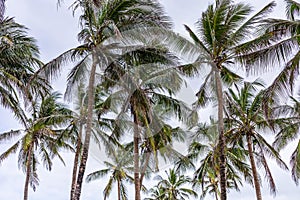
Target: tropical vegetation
123	91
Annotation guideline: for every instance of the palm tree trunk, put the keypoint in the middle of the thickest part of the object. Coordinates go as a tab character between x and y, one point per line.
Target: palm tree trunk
216	193
2	9
75	164
28	172
216	190
222	159
143	172
88	132
253	167
119	190
136	158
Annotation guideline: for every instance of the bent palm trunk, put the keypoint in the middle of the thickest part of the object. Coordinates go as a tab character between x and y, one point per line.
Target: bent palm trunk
86	144
253	167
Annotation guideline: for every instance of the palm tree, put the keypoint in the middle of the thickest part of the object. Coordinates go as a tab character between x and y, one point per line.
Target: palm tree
282	51
247	121
74	132
221	42
140	83
120	169
207	173
98	25
173	187
289	131
157	193
159	145
39	139
18	61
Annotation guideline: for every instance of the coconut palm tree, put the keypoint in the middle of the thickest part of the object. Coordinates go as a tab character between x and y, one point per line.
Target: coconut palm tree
282	51
289	131
160	145
173	188
157	193
18	62
39	139
141	85
221	43
74	132
247	122
204	148
119	169
98	25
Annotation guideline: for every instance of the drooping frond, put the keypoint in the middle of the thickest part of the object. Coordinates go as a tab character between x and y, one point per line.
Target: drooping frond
97	174
295	163
53	68
249	25
13	149
284	82
292	9
8	135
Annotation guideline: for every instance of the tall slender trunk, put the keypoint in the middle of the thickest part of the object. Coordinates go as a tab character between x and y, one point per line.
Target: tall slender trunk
136	137
119	190
222	160
88	132
216	193
143	171
2	9
28	172
75	164
253	167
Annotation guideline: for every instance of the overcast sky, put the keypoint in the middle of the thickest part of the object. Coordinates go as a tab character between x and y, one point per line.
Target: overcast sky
55	30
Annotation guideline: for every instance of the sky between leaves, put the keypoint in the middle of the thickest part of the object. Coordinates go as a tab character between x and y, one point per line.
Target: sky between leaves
55	30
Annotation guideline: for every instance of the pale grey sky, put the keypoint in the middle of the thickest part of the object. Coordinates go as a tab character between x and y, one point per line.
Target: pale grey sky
55	30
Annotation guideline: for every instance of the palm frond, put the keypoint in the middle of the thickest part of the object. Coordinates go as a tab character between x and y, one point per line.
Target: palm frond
11	150
76	75
295	163
292	9
9	135
284	82
97	175
248	26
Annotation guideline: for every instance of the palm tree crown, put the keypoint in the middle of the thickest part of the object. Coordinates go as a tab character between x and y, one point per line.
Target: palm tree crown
41	138
120	169
246	121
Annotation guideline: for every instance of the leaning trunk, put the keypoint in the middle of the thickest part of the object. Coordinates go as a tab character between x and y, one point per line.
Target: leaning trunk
216	193
143	172
75	164
88	132
222	160
119	190
216	188
28	172
253	167
136	158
